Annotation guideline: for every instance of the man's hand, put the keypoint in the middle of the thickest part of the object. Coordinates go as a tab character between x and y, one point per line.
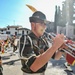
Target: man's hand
63	47
58	40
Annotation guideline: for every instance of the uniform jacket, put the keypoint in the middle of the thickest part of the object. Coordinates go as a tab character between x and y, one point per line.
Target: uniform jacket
31	49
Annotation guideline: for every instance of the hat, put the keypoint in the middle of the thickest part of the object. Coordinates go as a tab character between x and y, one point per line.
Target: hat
38	17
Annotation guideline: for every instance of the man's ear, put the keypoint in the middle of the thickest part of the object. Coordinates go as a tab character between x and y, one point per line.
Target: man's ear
32	25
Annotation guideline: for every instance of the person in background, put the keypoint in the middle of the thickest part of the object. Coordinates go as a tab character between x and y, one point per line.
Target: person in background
68	57
13	44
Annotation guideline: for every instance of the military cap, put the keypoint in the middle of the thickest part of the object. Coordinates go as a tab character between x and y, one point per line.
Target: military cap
39	17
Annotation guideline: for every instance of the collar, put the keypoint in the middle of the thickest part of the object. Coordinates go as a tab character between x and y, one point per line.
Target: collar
33	36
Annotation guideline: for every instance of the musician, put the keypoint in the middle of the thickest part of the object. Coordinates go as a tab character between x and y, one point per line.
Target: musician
69	58
36	51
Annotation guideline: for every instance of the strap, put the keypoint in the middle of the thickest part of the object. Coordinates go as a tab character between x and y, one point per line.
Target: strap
20	55
23	45
30	41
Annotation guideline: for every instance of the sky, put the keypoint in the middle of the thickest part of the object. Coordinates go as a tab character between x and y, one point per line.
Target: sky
15	12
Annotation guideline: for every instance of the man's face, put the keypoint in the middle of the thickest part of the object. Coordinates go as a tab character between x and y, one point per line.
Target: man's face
40	28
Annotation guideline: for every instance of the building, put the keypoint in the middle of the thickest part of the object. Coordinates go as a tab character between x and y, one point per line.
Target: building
12	30
23	31
68	14
3	30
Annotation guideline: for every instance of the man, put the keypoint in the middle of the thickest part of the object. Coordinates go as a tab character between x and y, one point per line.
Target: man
34	47
69	58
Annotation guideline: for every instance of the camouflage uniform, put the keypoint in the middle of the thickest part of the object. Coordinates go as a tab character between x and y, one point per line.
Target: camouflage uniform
39	45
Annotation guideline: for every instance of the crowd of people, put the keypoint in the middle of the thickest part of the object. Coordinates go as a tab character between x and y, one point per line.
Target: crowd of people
5	45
